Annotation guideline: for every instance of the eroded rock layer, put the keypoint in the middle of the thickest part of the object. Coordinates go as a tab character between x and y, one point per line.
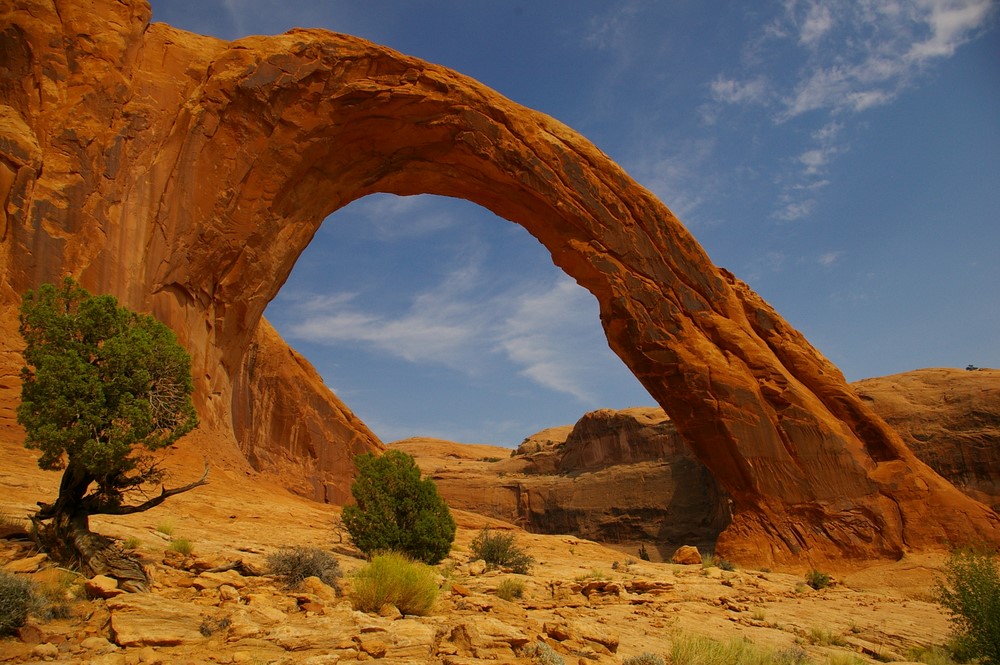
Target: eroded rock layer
950	418
622	477
186	174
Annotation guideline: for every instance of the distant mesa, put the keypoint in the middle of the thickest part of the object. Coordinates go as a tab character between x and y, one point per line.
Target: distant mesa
186	174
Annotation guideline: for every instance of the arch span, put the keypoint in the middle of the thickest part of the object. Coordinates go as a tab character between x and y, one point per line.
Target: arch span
208	166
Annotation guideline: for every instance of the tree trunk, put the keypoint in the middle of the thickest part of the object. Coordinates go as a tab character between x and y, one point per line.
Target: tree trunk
67	537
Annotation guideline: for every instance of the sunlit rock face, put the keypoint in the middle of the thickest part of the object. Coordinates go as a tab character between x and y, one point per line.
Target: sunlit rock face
186	174
950	418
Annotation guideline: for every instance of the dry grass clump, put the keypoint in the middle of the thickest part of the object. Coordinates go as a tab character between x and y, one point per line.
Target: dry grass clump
510	588
698	650
393	579
17	598
294	564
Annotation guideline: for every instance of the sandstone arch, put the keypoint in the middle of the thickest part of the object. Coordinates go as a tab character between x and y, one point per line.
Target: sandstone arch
186	174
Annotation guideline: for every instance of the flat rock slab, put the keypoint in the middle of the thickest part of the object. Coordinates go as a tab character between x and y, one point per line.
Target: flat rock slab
144	619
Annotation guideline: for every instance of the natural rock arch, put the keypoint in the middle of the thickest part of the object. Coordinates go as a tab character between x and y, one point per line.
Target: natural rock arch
186	174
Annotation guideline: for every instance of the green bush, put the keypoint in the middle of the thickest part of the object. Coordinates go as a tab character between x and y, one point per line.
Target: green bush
294	564
397	510
510	588
970	590
499	550
645	658
817	580
182	546
393	579
17	598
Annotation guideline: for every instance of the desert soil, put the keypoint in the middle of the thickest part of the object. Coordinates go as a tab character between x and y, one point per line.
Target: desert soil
589	602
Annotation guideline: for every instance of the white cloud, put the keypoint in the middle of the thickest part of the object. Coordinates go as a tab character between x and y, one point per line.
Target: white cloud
403	217
543	336
818	22
547	332
828	259
731	91
951	24
676	174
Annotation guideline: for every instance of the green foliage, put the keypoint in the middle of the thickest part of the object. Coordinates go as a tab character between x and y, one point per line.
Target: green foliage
499	550
817	580
182	546
510	588
294	564
131	543
397	510
98	381
393	579
970	590
726	565
645	658
17	598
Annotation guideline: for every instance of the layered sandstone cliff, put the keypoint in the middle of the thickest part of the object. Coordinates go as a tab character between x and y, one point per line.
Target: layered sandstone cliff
621	477
186	174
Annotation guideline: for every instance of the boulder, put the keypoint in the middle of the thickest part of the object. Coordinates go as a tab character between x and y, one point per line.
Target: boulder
687	556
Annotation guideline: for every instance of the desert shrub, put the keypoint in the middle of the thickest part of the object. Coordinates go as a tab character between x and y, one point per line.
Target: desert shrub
166	527
698	650
17	598
397	510
182	546
645	658
294	564
970	591
643	552
131	543
500	550
825	638
510	588
542	654
845	659
934	655
394	579
725	565
817	580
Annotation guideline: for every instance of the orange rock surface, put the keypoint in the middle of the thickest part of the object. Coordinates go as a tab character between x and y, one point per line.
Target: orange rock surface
185	175
950	418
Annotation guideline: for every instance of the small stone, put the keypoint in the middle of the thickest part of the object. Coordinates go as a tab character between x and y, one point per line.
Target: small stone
477	567
98	644
46	651
390	611
102	586
228	593
29	565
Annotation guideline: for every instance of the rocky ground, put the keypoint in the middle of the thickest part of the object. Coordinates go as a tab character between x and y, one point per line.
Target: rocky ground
590	603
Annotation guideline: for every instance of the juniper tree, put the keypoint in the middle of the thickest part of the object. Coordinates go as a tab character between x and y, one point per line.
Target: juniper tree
101	387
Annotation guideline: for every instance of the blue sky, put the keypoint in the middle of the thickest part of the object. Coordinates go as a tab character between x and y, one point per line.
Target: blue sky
842	157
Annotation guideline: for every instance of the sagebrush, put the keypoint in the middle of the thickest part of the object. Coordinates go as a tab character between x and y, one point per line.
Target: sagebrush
394	579
499	550
294	564
17	598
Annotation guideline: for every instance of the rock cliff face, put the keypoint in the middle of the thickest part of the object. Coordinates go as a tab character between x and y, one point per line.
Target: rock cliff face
621	477
951	420
185	175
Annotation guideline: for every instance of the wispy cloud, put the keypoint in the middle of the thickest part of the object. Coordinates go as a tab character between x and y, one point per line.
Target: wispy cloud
828	259
676	173
403	217
854	56
545	330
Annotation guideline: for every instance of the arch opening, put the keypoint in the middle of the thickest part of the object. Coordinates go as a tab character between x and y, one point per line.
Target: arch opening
430	316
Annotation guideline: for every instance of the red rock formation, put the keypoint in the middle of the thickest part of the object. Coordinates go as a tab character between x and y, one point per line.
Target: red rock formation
185	175
622	477
950	418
